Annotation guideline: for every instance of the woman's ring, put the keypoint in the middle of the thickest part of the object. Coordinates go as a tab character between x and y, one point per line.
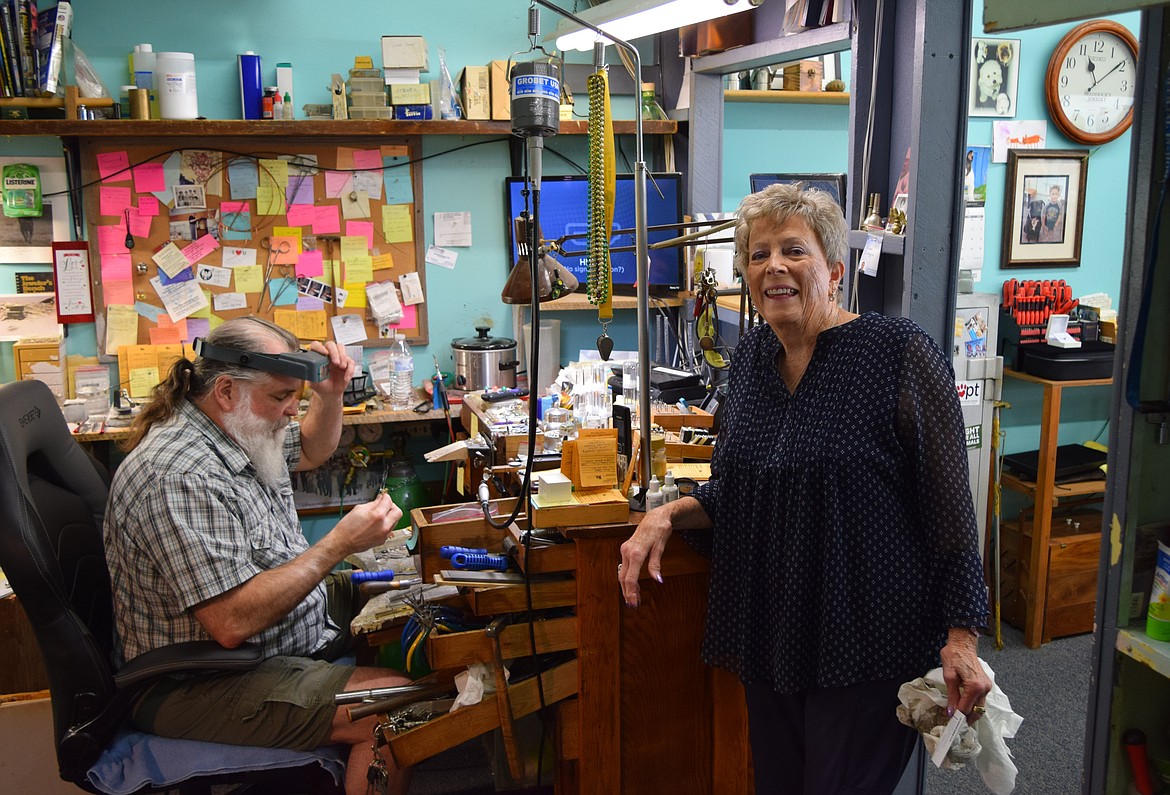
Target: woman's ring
619	567
979	710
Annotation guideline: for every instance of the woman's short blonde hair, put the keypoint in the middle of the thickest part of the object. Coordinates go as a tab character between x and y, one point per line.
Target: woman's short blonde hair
780	202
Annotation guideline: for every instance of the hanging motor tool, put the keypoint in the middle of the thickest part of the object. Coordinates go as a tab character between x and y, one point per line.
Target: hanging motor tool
602	187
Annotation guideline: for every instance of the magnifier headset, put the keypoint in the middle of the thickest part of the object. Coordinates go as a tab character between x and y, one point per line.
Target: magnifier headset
305	365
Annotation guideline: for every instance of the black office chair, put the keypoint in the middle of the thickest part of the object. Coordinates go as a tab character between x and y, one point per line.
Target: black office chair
52	504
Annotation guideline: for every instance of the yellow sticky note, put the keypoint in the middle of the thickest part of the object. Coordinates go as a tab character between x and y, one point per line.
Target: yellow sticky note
274	172
269	200
396	226
359	269
249	278
312	325
205	310
354	246
121	327
142	381
357	295
288	231
216	322
383	261
286	319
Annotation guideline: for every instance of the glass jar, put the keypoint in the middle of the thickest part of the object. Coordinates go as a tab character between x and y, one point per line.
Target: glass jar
558	427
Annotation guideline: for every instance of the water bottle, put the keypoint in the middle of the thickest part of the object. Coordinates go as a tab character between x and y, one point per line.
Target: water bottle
401	374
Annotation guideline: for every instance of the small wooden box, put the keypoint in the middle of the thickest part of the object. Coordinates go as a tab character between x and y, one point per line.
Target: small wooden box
806	75
475	532
41	359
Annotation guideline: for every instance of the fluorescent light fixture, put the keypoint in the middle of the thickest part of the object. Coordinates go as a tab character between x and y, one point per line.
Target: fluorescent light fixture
632	19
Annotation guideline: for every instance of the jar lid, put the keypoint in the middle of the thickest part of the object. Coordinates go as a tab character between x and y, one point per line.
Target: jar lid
482	342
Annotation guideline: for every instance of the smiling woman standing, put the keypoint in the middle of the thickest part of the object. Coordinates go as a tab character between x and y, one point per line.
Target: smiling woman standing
843	539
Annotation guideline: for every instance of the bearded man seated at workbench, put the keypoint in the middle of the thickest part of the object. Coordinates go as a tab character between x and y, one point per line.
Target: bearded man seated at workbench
202	541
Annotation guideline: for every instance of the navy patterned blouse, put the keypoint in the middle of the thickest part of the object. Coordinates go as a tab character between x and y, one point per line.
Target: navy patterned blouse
844	541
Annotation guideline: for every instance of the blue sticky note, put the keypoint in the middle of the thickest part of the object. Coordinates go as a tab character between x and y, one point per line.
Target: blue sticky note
396	176
300	189
283	292
148	311
184	275
236	226
171	175
243	178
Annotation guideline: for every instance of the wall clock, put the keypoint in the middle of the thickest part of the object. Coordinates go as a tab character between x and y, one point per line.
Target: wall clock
1091	81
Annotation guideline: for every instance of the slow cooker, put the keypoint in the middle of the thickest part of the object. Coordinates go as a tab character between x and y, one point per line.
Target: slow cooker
484	362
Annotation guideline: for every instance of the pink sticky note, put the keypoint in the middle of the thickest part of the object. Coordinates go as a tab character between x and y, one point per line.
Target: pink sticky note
113	201
326	220
367	159
409	317
149	177
366	228
233	207
337	183
120	293
300	214
112	240
115	267
310	264
147	205
200	248
139	223
113	166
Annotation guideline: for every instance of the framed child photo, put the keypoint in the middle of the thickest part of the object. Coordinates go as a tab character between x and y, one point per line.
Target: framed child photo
1045	207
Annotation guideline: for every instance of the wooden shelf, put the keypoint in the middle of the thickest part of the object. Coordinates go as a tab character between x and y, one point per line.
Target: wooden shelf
578	302
807	97
785	49
892	244
1138	645
1035	379
1059	490
351	128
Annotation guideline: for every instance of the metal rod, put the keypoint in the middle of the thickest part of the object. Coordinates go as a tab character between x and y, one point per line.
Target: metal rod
642	253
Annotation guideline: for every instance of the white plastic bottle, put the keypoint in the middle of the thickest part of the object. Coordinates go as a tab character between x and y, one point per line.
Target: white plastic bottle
174	80
401	374
277	107
288	114
669	489
653	494
143	63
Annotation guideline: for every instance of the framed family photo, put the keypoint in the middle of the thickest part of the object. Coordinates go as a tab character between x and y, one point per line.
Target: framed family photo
1045	208
995	70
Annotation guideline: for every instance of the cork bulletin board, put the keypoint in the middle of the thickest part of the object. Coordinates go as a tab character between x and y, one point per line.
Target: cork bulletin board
323	239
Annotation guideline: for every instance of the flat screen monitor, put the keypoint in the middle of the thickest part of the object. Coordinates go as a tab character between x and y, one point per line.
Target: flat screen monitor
833	184
564	210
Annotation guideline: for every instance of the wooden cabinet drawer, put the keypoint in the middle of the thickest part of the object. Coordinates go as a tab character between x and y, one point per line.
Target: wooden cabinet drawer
476	532
461	649
514	598
412	747
540	558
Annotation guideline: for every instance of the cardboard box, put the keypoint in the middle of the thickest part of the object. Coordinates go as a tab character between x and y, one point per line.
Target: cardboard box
475	91
404	52
413	112
41	359
410	94
393	76
500	95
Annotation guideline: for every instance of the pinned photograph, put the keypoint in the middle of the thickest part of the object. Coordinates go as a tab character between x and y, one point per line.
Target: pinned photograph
189	197
995	69
194	225
975	164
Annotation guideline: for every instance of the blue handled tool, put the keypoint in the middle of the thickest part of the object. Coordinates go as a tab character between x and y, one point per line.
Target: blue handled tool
372	576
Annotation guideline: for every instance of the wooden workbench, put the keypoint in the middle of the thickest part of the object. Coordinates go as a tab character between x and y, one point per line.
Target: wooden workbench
648	715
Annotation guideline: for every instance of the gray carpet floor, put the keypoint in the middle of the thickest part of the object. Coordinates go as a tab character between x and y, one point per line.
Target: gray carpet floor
1049	688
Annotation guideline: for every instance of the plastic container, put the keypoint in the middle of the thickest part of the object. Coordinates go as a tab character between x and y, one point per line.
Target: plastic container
550	354
278	106
251	86
143	63
177	95
669	489
124	100
367	99
289	112
401	374
366	84
559	426
371	113
654	496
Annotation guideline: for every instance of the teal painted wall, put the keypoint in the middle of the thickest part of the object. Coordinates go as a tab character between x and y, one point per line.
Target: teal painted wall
757	138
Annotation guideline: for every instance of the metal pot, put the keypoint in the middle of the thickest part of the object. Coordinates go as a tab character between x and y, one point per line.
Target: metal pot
483	362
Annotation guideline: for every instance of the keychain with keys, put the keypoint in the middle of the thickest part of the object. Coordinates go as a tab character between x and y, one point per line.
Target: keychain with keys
377	777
